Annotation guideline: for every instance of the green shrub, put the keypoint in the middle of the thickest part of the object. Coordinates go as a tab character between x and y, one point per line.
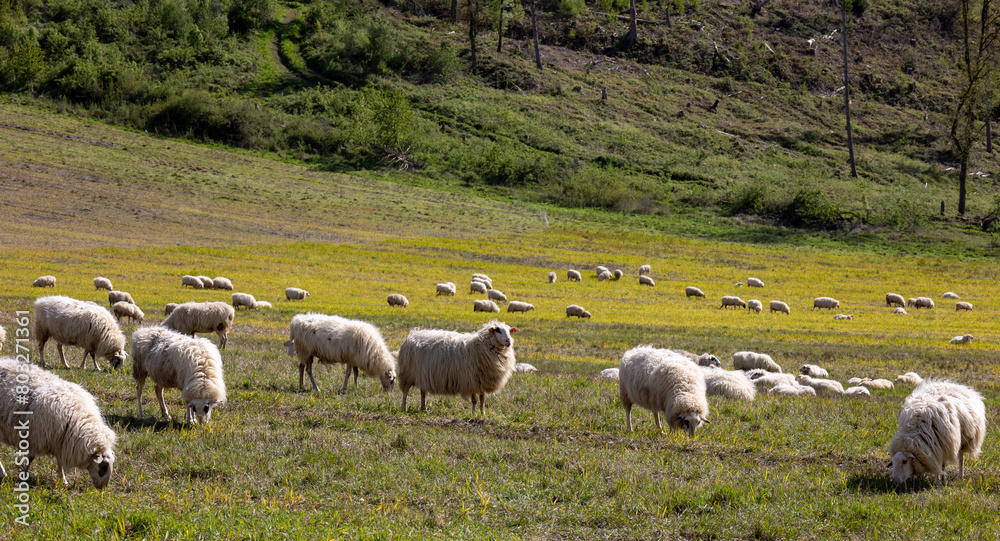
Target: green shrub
250	15
440	64
809	207
746	199
383	123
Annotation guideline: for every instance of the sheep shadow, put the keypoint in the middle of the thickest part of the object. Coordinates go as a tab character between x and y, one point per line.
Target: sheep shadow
868	483
134	424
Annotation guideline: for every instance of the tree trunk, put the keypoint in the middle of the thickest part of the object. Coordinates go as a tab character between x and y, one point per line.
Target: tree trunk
500	31
473	27
989	131
963	173
633	29
454	10
668	13
534	31
847	94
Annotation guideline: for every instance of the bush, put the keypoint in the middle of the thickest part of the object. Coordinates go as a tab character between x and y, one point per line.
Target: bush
748	199
383	124
440	64
809	207
250	15
195	114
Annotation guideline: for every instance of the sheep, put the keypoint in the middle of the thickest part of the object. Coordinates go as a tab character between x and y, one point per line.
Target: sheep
660	380
193	281
3	337
911	302
496	295
755	305
333	339
194	317
176	361
481	276
472	365
575	310
447	288
518	306
605	275
524	368
705	359
169	307
573	275
738	284
44	281
77	323
949	295
483	305
771	379
909	378
840	317
778	306
264	304
103	283
729	300
119	296
747	360
880	383
857	381
552	277
396	299
644	269
609	373
599	270
792	390
814	371
220	282
295	294
728	383
940	422
646	281
486	282
963	306
823	387
894	299
857	392
900	311
124	309
65	422
825	302
691	291
924	302
478	287
618	274
207	282
245	300
961	339
754	282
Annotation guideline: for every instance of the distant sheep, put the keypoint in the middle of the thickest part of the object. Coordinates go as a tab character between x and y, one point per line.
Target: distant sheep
728	383
660	380
691	291
552	277
767	380
792	390
194	317
485	281
618	274
857	392
856	381
447	288
894	299
264	304
119	296
705	359
949	295
333	339
609	373
169	307
495	295
778	306
754	282
125	309
103	283
840	317
644	269
738	284
518	306
748	360
879	384
245	300
823	387
207	282
646	281
483	305
963	306
909	378
471	365
604	276
65	423
192	281
733	301
396	299
77	323
899	311
911	302
477	287
575	310
598	270
814	371
295	294
481	276
524	368
755	305
961	339
923	302
826	302
573	275
175	361
44	281
220	282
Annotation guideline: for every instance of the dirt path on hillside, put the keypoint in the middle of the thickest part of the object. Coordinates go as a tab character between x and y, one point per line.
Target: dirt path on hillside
275	48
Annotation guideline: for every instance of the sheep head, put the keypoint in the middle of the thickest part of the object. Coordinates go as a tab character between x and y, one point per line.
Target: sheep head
500	333
388	379
290	347
902	467
689	422
118	358
200	410
101	467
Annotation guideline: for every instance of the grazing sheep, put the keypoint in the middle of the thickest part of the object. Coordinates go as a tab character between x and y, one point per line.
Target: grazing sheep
705	359
618	274
826	302
472	365
483	305
909	378
487	283
169	307
646	281
748	360
857	381
729	300
923	302
103	283
77	323
609	373
660	380
795	389
940	422
599	270
963	306
176	361
481	276
738	284
495	295
3	337
728	383
333	339
124	309
518	306
771	379
911	301
575	310
193	281
477	287
573	275
65	423
119	296
295	294
194	317
823	387
949	295
857	392
814	371
207	282
447	288
264	304
880	383
552	277
524	368
220	282
839	317
899	310
961	339
245	300
778	306
396	299
691	291
644	269
755	305
754	282
894	299
605	275
44	281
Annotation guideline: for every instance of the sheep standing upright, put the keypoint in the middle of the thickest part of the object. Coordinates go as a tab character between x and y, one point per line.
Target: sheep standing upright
552	277
103	283
755	305
44	281
661	380
123	309
396	299
65	422
471	365
778	306
825	302
194	317
478	287
575	310
177	361
245	300
193	281
77	323
573	275
119	296
333	339
894	299
754	282
518	306
295	294
485	305
646	281
221	282
691	291
748	360
923	302
447	288
733	301
644	269
963	306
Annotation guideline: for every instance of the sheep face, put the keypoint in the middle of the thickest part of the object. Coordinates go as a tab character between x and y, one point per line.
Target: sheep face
290	347
501	334
902	467
199	410
689	422
118	358
100	469
388	379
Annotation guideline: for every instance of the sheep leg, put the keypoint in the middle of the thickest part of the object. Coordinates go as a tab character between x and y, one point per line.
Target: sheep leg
423	400
223	338
628	416
62	472
62	354
94	357
404	397
656	417
309	370
163	405
3	472
24	470
961	465
41	348
302	370
138	395
347	378
355	377
482	403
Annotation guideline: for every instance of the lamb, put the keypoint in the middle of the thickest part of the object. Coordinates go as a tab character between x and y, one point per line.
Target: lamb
814	371
396	299
940	422
963	306
65	423
447	288
705	359
599	270
857	392
825	302
728	383
894	299
124	309
840	317
769	380
646	281
103	283
194	317
483	305
575	310
644	269
524	368
880	383
496	295
472	365
747	360
552	277
778	306
660	380
333	339
618	274
792	390
77	323
176	361
193	281
755	305
949	295
207	282
220	282
899	311
609	373
691	291
961	339
754	282
823	387
573	275
169	307
923	302
477	287
518	306
44	281
909	378
911	301
295	294
119	296
605	275
245	300
729	300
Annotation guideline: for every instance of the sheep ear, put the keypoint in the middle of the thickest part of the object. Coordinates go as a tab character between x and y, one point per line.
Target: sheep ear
706	421
98	458
513	330
189	405
910	455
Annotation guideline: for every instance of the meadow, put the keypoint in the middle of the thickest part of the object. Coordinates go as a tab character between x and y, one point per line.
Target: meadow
551	458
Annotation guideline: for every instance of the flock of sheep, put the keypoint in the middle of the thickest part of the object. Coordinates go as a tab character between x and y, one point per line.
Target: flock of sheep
940	422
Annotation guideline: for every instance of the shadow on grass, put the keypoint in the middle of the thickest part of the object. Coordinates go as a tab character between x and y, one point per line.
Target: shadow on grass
882	484
132	424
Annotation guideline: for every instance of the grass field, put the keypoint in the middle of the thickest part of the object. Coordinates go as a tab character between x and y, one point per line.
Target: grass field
551	457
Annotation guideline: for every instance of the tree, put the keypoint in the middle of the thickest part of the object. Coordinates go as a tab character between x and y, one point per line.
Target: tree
534	31
847	92
633	30
478	19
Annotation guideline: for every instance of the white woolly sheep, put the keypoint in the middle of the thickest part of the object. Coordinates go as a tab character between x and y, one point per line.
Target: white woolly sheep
176	361
124	309
738	284
857	392
295	294
961	339
748	360
909	378
940	422
552	277
169	307
483	305
220	282
754	282
396	299
840	317
194	317
193	281
103	283
44	281
518	306
814	371
691	291
618	274
471	365
77	323
949	295
481	276
786	389
857	381
923	302
661	380
705	359
644	269
823	387
609	373
245	300
3	337
728	383
484	281
478	287
733	301
963	306
575	310
911	302
826	302
119	296
65	423
755	305
778	306
333	339
646	281
573	275
524	368
879	384
768	380
899	310
605	275
496	295
263	304
447	288
207	282
894	299
599	270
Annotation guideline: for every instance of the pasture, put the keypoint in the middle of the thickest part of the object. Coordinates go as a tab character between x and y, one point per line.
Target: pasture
551	457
